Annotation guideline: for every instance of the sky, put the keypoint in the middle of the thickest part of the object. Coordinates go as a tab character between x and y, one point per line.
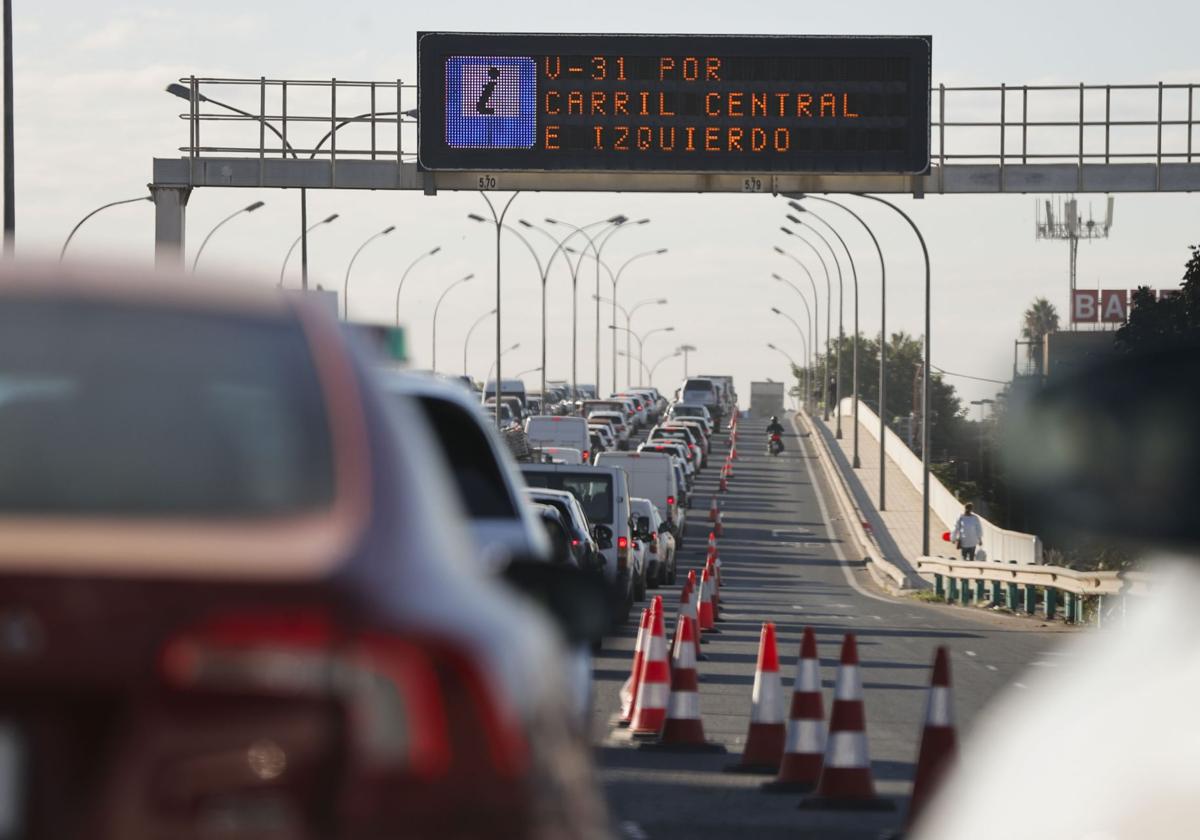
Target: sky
91	115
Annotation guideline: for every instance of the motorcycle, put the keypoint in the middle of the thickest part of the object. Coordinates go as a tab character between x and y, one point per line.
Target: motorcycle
775	444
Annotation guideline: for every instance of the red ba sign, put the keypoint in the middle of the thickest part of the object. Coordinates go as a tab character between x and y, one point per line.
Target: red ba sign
1108	306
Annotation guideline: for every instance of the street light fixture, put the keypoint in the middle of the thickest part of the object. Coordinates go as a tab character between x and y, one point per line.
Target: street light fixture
249	208
803	339
811	321
436	307
924	374
346	283
816	309
882	336
828	307
79	224
489	378
650	371
404	276
788	356
467	340
685	349
303	235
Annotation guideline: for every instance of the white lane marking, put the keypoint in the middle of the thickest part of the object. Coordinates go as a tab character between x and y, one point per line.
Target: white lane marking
969	652
1020	685
1042	663
991	667
836	544
797	607
877	617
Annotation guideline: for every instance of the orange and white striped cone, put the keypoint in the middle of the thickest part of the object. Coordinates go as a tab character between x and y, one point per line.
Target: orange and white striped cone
687	609
764	741
629	690
804	747
713	509
719	524
846	782
712	541
711	566
704	604
683	730
939	745
733	450
723	485
728	467
650	708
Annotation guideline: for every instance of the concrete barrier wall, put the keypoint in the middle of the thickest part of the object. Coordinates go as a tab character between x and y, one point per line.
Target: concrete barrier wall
1002	546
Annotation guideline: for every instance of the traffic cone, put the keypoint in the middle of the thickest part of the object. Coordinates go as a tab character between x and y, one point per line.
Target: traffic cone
724	485
683	730
711	566
687	609
804	748
719	524
846	782
939	746
764	742
713	510
704	604
728	467
650	707
629	689
733	450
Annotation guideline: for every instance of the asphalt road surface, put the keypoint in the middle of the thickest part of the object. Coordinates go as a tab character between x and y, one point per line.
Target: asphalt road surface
782	562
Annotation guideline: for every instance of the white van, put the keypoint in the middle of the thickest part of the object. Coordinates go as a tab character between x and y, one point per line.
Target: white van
651	475
544	430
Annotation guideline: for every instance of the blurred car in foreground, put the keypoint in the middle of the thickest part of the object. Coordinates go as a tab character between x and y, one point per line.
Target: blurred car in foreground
238	589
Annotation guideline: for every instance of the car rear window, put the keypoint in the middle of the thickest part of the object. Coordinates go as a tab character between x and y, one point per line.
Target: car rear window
131	410
593	490
698	385
473	464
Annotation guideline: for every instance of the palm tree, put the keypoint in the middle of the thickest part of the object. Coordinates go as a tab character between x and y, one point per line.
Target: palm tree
1039	320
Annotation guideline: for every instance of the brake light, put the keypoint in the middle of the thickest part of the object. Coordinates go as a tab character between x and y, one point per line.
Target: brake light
407	700
670	500
575	542
622	543
587	456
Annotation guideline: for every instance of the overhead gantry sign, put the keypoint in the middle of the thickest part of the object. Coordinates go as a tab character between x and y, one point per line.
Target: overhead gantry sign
650	103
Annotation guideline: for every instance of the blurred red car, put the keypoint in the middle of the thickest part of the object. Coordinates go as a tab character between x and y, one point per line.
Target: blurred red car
231	597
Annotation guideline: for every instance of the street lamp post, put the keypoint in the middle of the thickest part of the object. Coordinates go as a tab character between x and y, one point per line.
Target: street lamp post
490	378
346	283
650	370
498	220
629	313
639	338
828	307
561	245
803	346
79	224
437	306
856	462
526	372
803	338
811	322
404	276
249	208
467	341
615	281
816	306
685	349
598	250
841	322
924	375
882	340
303	236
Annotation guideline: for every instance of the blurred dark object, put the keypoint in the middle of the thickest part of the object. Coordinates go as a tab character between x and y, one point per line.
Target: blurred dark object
579	602
1168	321
1115	450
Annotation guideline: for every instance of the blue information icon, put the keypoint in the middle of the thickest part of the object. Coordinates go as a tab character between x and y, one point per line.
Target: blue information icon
491	102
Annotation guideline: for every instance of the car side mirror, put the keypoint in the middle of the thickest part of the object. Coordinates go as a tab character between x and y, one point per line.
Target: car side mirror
576	601
603	536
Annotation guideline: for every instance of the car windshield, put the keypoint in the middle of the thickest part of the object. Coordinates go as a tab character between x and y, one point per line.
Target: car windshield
122	410
593	490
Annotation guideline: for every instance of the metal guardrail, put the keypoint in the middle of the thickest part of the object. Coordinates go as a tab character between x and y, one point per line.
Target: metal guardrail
1019	588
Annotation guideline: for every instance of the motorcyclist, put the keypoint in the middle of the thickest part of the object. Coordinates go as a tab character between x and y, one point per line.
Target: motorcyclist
775	428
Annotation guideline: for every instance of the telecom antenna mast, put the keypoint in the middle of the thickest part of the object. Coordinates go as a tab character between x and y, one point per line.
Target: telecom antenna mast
1062	221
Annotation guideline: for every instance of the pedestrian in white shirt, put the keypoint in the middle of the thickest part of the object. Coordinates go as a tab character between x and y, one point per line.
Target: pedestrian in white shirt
968	532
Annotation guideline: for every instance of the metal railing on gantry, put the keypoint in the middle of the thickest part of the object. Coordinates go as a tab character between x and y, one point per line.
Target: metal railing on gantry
339	133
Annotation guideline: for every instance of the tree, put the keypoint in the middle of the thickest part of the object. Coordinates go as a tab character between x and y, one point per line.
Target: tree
1039	320
1168	322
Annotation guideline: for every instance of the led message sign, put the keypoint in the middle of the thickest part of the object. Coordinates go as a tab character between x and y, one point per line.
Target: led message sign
673	103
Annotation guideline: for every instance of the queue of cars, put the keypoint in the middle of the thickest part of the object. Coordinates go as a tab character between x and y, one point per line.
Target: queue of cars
253	576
